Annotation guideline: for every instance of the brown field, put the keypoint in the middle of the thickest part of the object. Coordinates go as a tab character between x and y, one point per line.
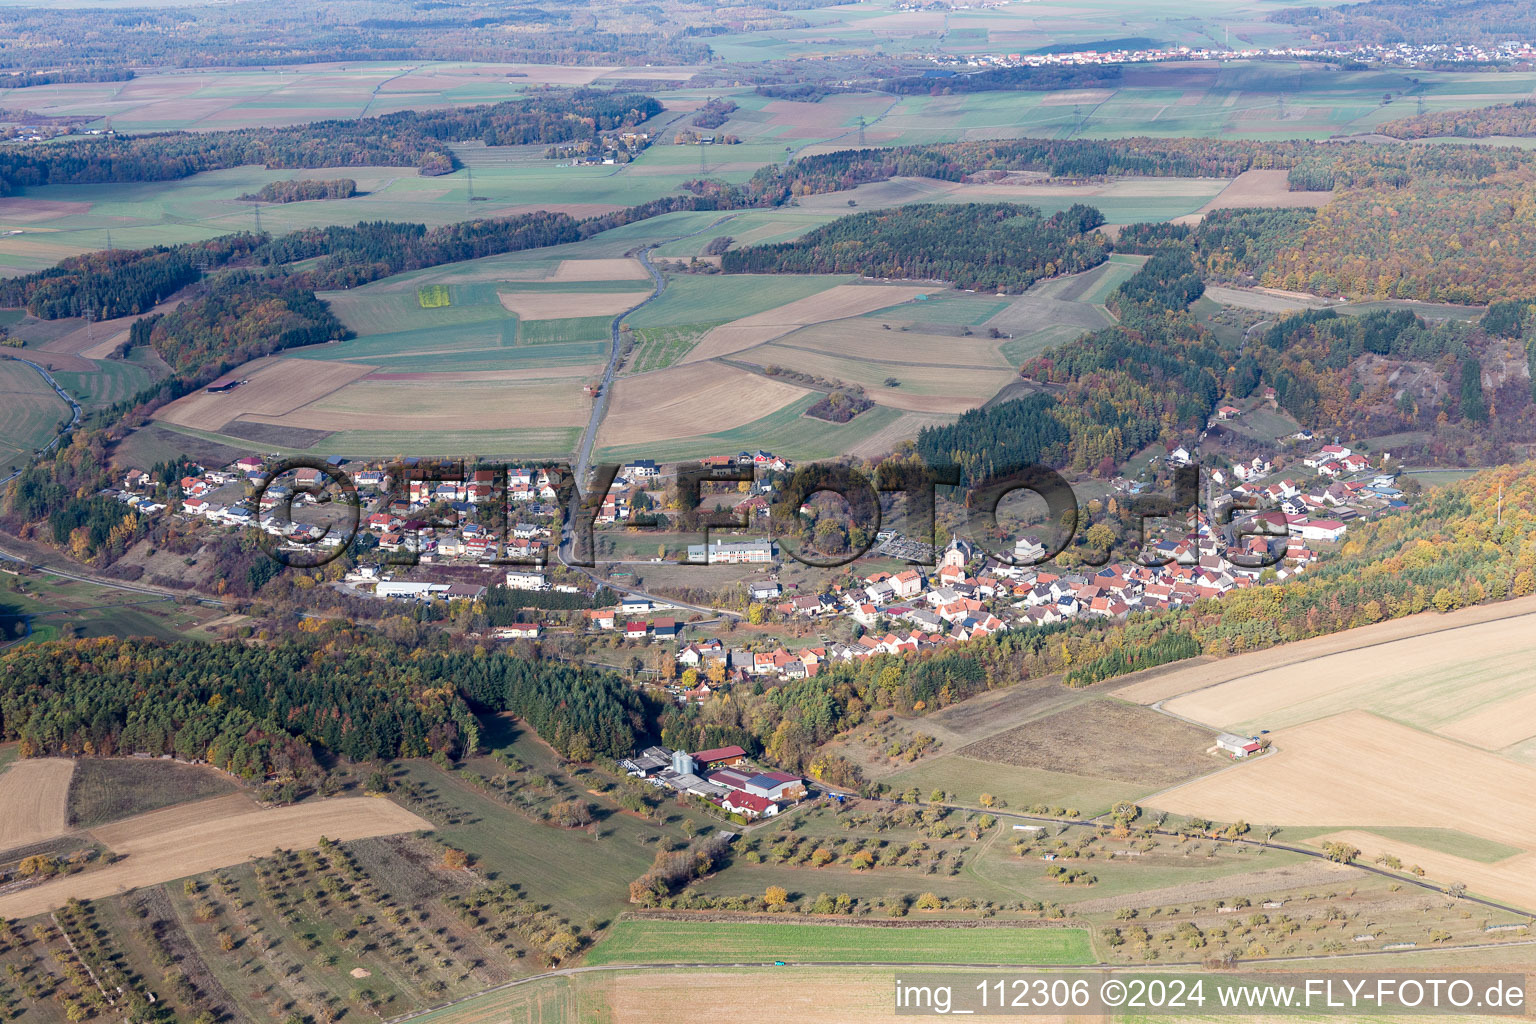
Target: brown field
622	269
684	402
850	996
867	339
432	405
1080	740
908	426
101	339
565	305
188	840
485	376
1502	724
836	303
1253	189
34	801
277	387
1360	769
1512	879
20	210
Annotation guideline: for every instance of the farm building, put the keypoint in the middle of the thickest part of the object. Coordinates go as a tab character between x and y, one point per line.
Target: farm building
1237	746
720	757
776	786
758	552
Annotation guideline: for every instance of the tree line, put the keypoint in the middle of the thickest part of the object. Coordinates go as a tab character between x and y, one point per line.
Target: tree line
407	138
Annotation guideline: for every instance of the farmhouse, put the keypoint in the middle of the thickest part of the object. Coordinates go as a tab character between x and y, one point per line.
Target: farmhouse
749	805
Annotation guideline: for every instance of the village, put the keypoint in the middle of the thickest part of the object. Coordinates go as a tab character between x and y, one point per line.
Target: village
446	540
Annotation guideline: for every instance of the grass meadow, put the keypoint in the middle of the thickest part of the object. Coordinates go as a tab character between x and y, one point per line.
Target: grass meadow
633	940
30	413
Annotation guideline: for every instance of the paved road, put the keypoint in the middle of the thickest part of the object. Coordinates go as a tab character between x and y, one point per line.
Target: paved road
74	406
595	422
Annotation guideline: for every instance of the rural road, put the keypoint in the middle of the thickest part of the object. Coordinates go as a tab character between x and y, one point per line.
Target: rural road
102	581
595	422
73	405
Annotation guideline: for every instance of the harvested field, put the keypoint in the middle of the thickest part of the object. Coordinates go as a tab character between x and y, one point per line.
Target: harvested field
845	300
1255	189
1360	769
565	305
1109	739
1470	683
1208	672
680	402
865	338
195	838
1262	299
622	269
34	801
277	387
1512	879
432	405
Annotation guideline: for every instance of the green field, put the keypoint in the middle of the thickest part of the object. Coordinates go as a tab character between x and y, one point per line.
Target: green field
950	310
113	381
565	331
659	347
966	778
433	296
1451	841
696	299
633	940
56	605
787	432
30	413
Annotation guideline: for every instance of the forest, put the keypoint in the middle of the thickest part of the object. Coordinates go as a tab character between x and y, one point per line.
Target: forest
252	709
1515	119
992	246
1412	21
408	138
1236	245
302	191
